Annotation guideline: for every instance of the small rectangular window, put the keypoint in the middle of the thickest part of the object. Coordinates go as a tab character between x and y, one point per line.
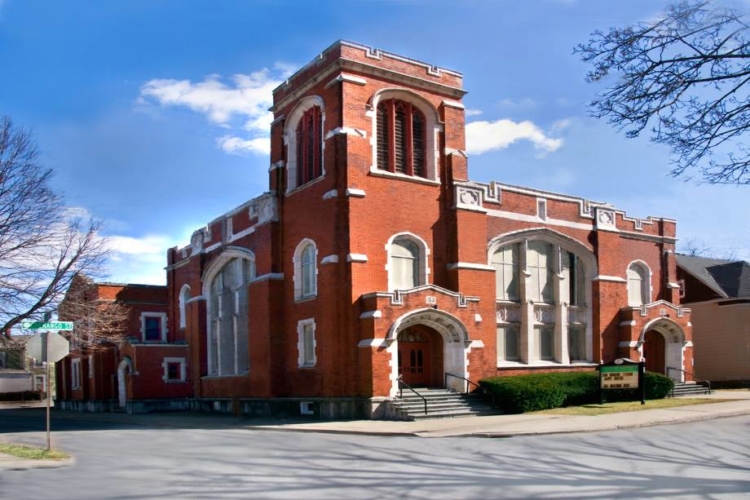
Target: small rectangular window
153	329
541	208
309	345
306	343
174	370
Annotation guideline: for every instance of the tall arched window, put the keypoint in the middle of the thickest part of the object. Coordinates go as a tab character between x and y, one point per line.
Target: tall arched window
401	138
541	312
184	297
404	264
309	146
639	286
305	270
228	318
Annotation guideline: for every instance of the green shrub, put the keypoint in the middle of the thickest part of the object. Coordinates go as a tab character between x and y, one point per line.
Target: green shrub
524	393
542	391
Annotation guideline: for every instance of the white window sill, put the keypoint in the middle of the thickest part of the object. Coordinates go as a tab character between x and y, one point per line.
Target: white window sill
305	299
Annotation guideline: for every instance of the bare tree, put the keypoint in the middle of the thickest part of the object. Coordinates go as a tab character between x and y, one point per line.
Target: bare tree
43	244
100	322
685	74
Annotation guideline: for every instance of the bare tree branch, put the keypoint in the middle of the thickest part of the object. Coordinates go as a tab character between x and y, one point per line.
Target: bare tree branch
684	76
43	244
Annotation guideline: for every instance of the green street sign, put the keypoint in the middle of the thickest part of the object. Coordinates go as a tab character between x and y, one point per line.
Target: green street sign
48	325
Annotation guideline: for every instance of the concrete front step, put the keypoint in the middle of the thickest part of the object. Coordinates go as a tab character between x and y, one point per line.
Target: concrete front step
689	390
441	403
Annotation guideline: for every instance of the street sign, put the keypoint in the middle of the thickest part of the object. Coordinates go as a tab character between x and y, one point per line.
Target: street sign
56	348
48	325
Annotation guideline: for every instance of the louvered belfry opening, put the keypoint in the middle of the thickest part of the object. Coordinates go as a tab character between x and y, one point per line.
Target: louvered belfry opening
401	138
309	150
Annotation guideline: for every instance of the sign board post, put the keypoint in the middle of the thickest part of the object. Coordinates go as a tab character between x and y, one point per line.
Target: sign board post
623	373
49	347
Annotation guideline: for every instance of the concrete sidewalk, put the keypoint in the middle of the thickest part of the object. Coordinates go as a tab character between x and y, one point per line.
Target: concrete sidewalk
532	423
728	404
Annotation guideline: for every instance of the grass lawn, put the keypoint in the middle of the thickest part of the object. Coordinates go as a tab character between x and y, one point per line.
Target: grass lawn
606	408
31	453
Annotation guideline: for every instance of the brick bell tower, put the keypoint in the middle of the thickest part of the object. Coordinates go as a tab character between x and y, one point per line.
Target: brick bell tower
366	149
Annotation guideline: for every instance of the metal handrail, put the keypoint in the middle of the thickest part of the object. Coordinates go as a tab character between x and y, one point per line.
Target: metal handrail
462	378
695	379
401	385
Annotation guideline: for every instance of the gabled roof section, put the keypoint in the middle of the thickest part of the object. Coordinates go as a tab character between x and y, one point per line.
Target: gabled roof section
728	278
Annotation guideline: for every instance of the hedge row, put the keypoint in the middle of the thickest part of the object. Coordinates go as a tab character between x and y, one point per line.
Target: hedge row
519	394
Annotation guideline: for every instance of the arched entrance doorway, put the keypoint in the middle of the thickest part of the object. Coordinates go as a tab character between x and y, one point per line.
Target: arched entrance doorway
443	342
653	352
124	369
662	346
420	356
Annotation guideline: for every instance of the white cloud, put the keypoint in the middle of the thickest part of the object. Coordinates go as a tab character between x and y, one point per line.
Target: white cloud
473	112
237	145
484	136
246	97
138	260
524	104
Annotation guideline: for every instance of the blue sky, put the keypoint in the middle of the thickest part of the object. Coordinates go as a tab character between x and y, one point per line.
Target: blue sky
153	112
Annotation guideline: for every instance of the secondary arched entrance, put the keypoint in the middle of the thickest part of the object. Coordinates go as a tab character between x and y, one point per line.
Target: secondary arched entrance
653	352
663	345
425	345
420	357
123	370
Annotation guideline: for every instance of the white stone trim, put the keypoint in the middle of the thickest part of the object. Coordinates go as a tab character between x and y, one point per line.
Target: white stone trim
244	232
346	131
630	343
632	322
356	257
267	277
329	195
355	193
372	343
183	370
163	321
502	214
612	279
469	265
454	151
394	175
329	259
344	77
371	315
453	104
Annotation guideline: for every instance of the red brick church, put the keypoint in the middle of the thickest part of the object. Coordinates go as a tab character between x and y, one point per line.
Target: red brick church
374	257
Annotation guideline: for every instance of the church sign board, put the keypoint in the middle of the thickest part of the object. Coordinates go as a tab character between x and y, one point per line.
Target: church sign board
623	373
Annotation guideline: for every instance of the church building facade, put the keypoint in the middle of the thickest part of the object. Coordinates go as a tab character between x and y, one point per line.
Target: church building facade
374	259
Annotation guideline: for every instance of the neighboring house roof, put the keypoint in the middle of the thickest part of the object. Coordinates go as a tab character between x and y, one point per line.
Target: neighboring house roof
728	278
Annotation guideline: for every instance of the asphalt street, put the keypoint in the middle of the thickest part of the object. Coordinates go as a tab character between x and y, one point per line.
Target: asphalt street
707	459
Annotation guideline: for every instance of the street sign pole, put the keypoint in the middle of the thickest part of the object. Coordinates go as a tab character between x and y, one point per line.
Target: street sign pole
49	347
49	398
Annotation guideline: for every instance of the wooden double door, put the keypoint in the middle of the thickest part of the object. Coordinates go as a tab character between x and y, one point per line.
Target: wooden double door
420	357
654	352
